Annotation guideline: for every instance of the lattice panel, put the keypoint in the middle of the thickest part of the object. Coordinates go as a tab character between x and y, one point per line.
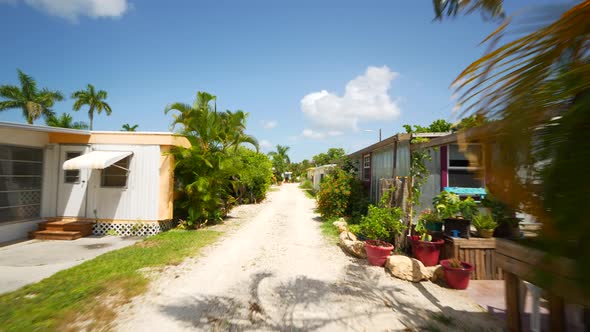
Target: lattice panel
132	229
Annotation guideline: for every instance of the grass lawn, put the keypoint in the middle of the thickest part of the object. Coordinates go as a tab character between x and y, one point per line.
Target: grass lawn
330	231
89	291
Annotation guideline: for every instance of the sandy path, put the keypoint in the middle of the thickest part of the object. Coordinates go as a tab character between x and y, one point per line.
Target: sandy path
275	271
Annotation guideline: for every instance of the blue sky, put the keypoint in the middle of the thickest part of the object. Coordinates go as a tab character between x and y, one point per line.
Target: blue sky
379	63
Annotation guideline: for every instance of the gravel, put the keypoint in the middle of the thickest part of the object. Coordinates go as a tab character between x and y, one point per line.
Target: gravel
274	271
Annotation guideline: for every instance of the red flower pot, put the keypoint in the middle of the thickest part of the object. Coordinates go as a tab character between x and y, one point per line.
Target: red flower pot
377	251
427	252
457	278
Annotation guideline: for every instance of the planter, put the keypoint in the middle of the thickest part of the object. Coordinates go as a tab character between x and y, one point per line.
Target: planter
434	226
462	226
457	278
427	252
377	251
507	230
485	233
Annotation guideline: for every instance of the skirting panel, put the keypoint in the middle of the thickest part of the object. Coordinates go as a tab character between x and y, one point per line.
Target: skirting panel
132	228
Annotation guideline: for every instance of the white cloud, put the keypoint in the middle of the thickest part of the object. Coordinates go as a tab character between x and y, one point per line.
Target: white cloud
269	124
73	9
264	144
310	133
366	98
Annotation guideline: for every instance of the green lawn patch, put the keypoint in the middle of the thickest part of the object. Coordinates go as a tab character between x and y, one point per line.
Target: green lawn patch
89	291
330	231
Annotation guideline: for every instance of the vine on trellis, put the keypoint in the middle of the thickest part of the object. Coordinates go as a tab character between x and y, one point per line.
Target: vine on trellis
418	170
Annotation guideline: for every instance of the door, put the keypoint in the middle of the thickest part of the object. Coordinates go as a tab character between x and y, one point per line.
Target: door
71	199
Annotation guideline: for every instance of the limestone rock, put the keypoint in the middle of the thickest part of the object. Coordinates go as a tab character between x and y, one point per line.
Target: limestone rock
347	236
351	245
407	268
340	222
342	228
436	273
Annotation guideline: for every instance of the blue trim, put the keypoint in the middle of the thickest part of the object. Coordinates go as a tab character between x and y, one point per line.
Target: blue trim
461	191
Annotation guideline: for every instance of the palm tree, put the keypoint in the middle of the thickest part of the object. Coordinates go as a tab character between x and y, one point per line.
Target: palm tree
538	86
280	159
65	121
128	127
94	99
28	98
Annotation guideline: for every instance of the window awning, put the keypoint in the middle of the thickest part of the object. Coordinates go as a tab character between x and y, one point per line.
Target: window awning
95	160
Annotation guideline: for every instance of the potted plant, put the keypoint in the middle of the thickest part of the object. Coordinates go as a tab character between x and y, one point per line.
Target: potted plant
485	225
508	224
380	226
456	213
431	220
457	273
424	248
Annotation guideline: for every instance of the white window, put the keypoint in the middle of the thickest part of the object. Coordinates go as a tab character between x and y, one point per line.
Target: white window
116	174
21	172
465	168
367	167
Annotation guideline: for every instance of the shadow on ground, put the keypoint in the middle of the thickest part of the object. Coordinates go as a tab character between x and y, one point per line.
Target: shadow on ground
305	304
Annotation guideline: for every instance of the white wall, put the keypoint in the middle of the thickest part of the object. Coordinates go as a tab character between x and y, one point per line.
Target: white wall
139	201
51	169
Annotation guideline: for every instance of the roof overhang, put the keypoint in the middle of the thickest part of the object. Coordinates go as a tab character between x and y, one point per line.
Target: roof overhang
95	160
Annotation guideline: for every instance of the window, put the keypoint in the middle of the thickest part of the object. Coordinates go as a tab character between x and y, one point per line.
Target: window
367	167
465	166
72	175
116	174
21	172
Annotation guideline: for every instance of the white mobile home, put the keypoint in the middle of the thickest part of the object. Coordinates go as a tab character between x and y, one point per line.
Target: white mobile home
119	181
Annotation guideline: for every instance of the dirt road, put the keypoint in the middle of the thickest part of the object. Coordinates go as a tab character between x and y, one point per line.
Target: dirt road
274	271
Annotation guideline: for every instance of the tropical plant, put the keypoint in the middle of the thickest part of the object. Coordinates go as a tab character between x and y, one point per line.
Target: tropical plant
128	127
484	221
490	8
65	120
33	102
537	86
207	172
95	100
382	222
450	205
436	126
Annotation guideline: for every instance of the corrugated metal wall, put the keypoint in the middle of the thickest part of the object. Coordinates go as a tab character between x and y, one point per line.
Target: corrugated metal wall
402	167
382	168
139	201
432	186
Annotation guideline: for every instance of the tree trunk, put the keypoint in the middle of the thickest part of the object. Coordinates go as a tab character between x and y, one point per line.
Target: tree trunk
91	116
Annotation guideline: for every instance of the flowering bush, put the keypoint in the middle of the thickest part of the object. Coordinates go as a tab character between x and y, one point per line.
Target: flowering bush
334	193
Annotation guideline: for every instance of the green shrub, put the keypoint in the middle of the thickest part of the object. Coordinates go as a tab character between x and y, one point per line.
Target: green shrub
334	194
306	184
254	174
382	222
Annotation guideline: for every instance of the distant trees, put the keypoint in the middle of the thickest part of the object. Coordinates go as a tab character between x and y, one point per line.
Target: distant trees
128	127
65	121
95	100
33	102
437	126
332	156
280	160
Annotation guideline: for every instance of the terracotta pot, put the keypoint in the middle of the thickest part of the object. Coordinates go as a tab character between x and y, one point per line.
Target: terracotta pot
427	252
377	251
486	233
457	278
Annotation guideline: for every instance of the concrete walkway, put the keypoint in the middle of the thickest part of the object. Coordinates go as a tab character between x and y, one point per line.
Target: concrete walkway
32	261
